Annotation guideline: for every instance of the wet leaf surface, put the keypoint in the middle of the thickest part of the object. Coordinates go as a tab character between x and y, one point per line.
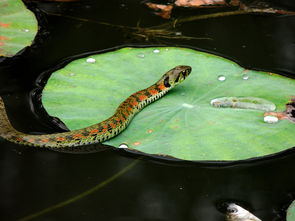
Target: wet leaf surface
18	27
291	212
182	124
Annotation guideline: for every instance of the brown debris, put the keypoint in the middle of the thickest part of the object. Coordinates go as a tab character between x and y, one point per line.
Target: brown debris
290	110
150	131
198	3
162	10
279	115
235	2
165	11
288	114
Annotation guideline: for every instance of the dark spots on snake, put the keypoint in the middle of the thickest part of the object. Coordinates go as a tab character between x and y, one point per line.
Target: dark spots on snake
52	139
114	121
148	94
158	89
137	98
166	82
177	79
130	105
110	128
85	133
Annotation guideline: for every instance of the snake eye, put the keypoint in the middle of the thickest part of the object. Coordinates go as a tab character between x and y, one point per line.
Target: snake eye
232	210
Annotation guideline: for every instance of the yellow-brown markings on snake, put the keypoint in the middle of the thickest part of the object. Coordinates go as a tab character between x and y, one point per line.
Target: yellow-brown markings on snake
98	132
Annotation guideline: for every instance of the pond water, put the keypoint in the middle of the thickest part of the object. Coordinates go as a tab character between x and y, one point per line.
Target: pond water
121	184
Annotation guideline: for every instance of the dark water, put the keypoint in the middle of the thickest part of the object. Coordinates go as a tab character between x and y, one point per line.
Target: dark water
152	189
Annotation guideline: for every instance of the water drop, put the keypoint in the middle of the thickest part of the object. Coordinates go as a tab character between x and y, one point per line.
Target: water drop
270	119
141	55
166	49
156	51
178	33
90	60
245	76
221	78
26	30
187	105
123	145
254	103
72	74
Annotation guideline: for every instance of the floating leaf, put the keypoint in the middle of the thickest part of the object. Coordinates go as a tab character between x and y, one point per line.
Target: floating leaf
18	27
291	212
183	123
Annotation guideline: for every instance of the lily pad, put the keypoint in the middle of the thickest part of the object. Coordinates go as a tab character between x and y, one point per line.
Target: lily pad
183	123
291	212
18	27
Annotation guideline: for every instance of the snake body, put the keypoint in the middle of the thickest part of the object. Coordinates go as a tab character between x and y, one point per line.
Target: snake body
97	133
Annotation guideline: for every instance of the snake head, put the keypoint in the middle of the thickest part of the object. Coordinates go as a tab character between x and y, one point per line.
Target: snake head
175	75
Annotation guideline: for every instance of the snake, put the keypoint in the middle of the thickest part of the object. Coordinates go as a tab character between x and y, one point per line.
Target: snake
75	141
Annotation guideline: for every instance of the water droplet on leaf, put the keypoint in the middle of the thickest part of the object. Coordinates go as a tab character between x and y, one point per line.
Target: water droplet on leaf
271	119
156	51
141	55
90	60
221	78
123	145
245	77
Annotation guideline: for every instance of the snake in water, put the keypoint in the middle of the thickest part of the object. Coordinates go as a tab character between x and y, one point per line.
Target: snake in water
97	133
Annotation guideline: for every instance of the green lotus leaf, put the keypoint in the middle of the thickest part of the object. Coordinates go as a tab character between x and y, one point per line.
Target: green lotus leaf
183	123
291	212
18	27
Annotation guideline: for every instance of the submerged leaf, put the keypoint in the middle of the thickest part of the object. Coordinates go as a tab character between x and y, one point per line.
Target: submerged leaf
183	123
18	27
